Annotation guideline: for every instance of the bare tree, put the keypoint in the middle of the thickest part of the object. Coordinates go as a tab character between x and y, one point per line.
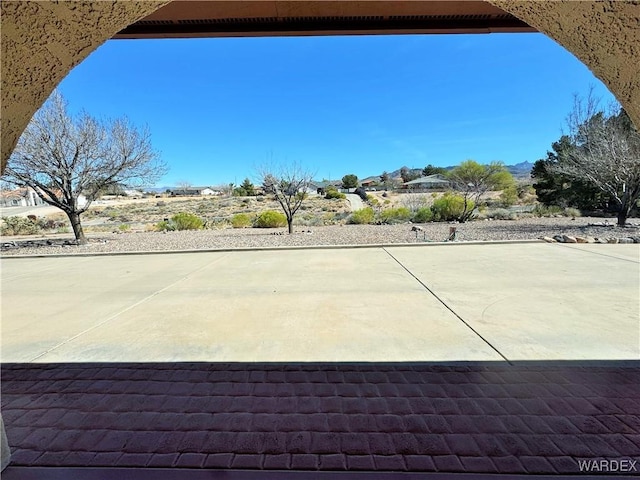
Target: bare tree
183	185
289	185
605	152
63	158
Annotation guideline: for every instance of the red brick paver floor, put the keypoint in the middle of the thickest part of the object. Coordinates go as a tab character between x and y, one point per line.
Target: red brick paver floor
484	417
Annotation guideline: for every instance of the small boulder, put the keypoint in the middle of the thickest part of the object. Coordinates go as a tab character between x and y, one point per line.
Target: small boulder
417	228
559	238
581	240
569	239
636	239
591	240
612	240
548	239
625	240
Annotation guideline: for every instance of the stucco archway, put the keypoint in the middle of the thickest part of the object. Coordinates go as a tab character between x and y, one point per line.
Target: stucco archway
605	36
42	42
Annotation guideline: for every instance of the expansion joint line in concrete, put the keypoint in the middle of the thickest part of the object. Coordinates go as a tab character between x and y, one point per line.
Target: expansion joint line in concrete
578	249
130	307
448	307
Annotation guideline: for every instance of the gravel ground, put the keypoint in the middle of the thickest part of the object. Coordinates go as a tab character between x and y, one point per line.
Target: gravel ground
523	229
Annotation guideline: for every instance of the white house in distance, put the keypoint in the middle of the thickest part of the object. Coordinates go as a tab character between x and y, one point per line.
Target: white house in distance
194	191
27	197
425	183
20	197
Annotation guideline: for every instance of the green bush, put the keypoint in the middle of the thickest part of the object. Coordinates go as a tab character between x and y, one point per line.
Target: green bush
187	221
541	210
241	220
165	226
509	196
124	227
333	193
19	226
270	219
395	215
363	216
449	207
373	201
423	215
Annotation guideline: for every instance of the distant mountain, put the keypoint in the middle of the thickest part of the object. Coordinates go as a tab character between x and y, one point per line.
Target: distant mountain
521	169
396	173
158	189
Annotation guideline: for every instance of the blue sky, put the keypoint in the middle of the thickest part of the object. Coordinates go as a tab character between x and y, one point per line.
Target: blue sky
218	108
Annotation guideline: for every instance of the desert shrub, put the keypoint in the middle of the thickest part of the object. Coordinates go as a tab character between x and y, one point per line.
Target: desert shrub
332	192
270	219
241	220
509	196
124	227
414	201
501	214
187	221
449	207
525	190
373	201
571	212
395	215
50	224
423	215
309	221
19	226
165	226
363	216
541	210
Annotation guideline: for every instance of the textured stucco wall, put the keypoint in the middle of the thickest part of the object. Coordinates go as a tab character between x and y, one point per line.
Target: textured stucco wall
42	41
604	35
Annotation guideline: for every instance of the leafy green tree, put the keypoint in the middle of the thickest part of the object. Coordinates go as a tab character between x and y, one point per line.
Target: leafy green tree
350	181
248	187
473	180
431	170
408	175
555	188
384	178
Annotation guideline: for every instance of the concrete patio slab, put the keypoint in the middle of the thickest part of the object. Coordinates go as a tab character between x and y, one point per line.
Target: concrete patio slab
296	305
427	303
540	301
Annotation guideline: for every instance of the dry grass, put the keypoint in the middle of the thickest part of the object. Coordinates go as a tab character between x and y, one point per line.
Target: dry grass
215	211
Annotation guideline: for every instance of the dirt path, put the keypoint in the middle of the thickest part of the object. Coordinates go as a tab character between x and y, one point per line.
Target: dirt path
355	201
